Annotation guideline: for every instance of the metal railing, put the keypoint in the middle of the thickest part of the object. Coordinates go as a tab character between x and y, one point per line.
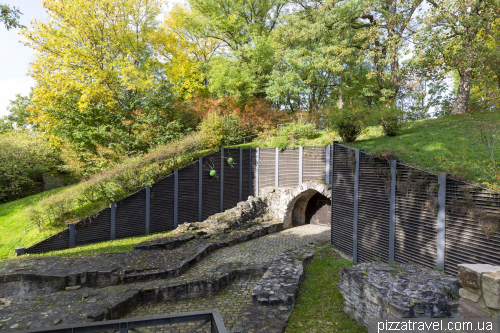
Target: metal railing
211	317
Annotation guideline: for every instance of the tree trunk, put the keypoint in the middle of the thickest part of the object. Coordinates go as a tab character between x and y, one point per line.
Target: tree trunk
463	93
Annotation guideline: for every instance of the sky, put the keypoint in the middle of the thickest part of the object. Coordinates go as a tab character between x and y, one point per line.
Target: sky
15	57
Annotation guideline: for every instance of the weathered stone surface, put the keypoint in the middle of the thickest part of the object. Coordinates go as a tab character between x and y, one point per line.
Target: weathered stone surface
274	296
469	310
280	283
281	200
467	294
87	304
469	275
377	290
490	286
157	258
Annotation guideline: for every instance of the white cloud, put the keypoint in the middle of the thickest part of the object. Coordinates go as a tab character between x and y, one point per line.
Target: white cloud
10	87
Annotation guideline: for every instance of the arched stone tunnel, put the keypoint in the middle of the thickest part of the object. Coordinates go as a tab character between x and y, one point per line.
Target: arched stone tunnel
308	203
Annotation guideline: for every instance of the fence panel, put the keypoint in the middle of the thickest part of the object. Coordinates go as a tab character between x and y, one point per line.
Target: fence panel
288	172
373	208
416	216
94	229
246	184
314	164
188	193
58	241
466	240
231	178
211	185
343	198
131	215
162	205
267	168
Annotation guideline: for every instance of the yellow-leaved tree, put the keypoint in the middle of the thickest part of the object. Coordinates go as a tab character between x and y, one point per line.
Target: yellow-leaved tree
101	90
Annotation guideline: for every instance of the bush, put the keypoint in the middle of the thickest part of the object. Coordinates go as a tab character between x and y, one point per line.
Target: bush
116	183
24	157
391	120
349	122
298	130
215	129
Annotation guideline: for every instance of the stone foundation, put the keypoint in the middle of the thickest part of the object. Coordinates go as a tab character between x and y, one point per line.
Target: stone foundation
480	295
377	290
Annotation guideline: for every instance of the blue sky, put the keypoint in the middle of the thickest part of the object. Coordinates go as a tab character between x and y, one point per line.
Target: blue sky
15	57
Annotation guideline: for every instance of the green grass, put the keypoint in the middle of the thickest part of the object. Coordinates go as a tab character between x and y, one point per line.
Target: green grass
112	246
320	305
442	145
14	218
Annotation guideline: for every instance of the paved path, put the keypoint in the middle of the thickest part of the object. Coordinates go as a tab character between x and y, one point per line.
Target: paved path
232	302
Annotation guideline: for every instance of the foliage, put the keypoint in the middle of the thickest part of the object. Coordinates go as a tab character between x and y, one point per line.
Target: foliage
10	17
349	122
320	306
450	29
295	134
19	112
116	183
391	120
216	129
24	157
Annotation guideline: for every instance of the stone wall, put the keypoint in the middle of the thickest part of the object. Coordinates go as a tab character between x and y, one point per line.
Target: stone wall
480	295
379	290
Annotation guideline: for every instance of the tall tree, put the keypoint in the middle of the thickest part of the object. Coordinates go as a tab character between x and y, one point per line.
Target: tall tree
453	36
10	17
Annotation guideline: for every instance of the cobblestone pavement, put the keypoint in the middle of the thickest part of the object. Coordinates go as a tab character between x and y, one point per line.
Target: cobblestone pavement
231	303
261	250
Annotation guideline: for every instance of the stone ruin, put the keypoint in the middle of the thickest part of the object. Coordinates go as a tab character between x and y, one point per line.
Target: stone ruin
379	290
480	295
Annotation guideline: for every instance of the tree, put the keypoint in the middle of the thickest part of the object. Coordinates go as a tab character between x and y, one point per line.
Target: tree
10	17
102	92
19	111
321	45
453	36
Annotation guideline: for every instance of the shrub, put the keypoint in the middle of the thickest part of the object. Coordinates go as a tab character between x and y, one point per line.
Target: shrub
215	129
116	183
24	157
349	122
391	120
299	130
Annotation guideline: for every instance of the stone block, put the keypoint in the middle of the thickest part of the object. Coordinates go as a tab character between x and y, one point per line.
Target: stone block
491	289
467	294
469	310
469	275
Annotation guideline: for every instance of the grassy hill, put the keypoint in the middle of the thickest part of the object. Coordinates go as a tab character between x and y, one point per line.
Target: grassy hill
440	145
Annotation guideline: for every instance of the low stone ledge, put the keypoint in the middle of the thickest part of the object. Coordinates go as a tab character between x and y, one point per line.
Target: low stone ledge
481	289
86	305
273	299
377	290
30	278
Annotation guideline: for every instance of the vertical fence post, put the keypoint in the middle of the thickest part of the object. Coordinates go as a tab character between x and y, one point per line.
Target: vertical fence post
221	179
240	197
301	153
113	220
276	169
392	217
327	177
355	219
71	235
250	192
148	207
176	198
200	187
441	221
257	153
